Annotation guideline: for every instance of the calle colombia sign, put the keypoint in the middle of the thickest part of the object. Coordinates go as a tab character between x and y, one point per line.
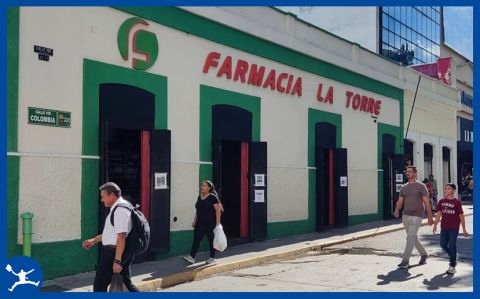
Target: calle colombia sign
47	117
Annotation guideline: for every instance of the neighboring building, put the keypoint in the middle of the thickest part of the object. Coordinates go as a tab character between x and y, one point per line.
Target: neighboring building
415	35
300	130
463	82
410	34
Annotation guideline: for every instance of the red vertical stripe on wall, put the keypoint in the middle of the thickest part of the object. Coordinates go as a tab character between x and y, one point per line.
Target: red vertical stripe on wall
331	202
244	191
145	174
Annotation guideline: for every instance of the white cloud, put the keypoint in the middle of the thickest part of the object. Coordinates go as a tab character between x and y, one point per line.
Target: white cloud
356	24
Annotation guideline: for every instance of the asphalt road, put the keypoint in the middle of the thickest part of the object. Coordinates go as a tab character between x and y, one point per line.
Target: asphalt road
367	265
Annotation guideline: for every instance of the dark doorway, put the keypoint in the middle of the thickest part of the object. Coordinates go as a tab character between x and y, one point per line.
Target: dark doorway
231	148
331	179
428	160
124	162
130	152
393	166
231	163
446	165
408	152
388	146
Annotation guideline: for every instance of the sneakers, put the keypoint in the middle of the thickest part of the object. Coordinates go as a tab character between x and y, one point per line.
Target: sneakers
189	259
451	270
403	265
210	260
423	259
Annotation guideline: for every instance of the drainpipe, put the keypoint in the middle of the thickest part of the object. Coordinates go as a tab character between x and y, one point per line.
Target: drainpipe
27	233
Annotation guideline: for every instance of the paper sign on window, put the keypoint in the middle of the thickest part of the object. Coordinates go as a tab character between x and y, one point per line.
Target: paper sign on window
399	178
398	187
259	180
343	181
259	195
161	181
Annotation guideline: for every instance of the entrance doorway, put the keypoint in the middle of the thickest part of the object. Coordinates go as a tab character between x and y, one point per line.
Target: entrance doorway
234	188
447	178
428	160
123	165
393	175
408	153
132	152
331	179
235	162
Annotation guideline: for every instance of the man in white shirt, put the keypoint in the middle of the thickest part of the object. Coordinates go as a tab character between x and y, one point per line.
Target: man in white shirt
113	239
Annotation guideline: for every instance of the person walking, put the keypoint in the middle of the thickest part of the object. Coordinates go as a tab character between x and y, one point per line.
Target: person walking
207	217
433	181
414	197
450	213
428	184
115	257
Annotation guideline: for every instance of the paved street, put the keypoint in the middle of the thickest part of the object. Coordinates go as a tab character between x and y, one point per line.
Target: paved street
363	265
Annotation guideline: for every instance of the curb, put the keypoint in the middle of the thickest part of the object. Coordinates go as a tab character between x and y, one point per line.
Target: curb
205	271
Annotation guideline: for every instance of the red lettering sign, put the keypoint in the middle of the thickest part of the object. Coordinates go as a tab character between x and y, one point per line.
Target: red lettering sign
328	97
362	103
253	74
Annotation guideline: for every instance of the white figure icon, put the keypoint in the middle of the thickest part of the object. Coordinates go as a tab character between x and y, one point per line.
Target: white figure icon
22	275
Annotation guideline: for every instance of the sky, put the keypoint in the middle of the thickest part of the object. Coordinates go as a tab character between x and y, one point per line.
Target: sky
459	29
344	22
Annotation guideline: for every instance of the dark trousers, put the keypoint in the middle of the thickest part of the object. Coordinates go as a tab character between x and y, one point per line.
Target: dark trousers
103	277
199	231
448	241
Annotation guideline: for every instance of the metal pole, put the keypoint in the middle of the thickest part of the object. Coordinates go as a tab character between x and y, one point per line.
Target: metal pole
413	105
27	233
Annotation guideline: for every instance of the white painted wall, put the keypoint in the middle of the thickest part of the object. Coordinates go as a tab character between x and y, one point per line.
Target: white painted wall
433	121
50	189
50	186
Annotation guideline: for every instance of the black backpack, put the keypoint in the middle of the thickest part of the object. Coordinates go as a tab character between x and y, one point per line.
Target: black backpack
139	237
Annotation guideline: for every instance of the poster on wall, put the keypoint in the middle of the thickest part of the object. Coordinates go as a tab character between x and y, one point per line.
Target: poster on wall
343	181
259	195
259	180
161	181
399	178
398	187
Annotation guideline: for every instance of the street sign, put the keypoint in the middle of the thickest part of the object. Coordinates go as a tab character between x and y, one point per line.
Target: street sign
47	117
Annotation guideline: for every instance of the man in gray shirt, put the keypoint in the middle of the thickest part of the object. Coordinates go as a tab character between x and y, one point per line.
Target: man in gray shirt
414	197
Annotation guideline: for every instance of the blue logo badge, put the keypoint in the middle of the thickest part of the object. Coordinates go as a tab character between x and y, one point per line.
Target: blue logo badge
21	275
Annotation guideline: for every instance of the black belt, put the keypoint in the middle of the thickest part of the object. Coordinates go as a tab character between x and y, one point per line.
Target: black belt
110	246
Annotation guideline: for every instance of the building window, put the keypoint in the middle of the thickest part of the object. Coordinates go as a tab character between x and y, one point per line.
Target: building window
417	27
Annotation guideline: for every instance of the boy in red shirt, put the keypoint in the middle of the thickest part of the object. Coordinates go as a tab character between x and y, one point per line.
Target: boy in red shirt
449	210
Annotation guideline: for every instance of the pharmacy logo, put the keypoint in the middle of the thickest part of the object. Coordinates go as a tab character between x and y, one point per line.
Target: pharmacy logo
144	43
22	275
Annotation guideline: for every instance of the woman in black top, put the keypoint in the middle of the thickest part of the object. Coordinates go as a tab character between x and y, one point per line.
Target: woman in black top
207	217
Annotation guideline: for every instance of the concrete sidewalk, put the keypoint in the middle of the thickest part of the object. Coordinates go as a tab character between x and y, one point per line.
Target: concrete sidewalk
151	276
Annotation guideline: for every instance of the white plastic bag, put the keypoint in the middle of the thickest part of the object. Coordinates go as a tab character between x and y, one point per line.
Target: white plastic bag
219	240
117	284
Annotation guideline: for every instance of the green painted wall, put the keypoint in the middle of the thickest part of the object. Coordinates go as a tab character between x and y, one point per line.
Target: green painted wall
13	163
210	96
13	166
12	77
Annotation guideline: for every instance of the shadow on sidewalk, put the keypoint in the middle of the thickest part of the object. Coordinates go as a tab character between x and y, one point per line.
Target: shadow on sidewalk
442	280
174	266
397	275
